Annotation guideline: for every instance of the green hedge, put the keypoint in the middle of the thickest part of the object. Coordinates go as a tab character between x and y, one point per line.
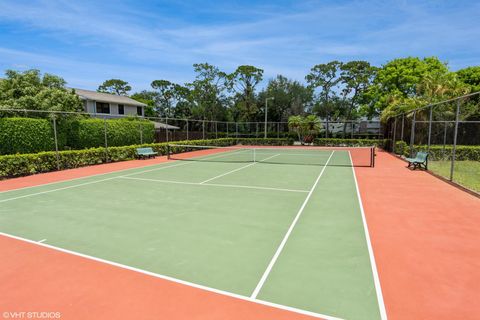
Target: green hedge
26	164
382	143
437	152
24	135
29	135
90	133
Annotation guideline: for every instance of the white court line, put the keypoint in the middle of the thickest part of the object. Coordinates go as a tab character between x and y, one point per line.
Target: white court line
287	235
214	184
53	190
96	181
238	169
376	279
175	280
161	164
43	240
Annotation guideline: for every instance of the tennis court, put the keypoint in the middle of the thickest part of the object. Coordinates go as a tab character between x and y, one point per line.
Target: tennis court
282	225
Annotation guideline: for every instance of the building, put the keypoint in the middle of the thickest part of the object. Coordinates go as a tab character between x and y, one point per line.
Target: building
110	105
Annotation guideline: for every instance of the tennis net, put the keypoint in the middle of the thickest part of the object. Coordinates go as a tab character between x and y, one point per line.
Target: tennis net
344	156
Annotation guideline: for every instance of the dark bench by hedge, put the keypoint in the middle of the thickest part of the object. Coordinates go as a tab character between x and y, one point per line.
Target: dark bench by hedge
144	153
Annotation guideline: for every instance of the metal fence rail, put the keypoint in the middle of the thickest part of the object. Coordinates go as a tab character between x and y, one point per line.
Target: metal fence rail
449	131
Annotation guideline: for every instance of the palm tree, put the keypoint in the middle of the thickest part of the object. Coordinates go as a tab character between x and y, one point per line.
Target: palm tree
311	126
295	124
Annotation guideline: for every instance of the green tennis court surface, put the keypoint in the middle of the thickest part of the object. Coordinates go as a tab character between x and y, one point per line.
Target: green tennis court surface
289	232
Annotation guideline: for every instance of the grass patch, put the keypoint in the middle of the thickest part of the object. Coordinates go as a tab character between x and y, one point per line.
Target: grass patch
466	173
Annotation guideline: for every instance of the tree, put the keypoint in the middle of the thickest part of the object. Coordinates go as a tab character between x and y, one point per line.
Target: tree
290	98
165	96
356	77
243	82
398	80
325	77
305	127
147	97
115	86
471	77
30	90
207	92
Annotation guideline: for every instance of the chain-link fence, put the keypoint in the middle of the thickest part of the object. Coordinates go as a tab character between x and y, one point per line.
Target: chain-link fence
449	131
32	131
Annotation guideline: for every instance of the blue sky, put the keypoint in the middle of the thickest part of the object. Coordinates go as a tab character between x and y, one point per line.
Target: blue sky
87	42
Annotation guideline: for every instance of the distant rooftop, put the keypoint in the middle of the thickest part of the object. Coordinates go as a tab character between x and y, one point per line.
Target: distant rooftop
107	97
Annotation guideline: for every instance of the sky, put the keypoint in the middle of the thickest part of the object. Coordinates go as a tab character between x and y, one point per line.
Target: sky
87	42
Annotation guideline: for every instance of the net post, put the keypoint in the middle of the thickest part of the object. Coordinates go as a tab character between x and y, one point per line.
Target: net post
372	157
254	155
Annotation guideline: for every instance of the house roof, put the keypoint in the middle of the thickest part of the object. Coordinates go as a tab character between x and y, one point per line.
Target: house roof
159	125
107	97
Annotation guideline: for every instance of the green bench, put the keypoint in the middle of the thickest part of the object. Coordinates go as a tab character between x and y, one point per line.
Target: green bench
144	153
421	159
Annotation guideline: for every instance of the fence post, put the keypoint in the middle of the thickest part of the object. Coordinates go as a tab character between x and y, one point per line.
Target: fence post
57	155
403	125
203	129
141	132
278	130
106	139
444	139
216	130
430	128
394	134
187	128
352	125
454	150
412	136
326	130
227	130
166	129
236	131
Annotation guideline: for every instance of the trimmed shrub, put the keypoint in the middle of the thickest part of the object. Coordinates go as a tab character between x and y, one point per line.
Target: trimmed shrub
438	152
90	133
382	143
26	164
25	135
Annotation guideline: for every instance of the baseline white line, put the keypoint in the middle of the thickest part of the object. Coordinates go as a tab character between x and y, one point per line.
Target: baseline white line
112	172
287	235
238	169
43	240
175	280
58	189
376	279
214	184
96	181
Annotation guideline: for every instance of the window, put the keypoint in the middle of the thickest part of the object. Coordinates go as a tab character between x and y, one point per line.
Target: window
102	107
121	109
139	111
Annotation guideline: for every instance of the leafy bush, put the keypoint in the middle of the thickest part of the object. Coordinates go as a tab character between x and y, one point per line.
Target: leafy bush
350	142
438	152
121	132
25	135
